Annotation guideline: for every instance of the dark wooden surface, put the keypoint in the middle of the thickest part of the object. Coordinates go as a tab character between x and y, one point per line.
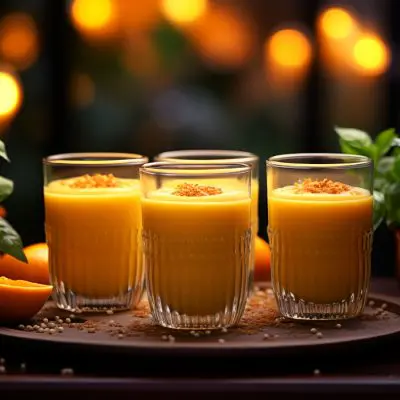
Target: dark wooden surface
363	375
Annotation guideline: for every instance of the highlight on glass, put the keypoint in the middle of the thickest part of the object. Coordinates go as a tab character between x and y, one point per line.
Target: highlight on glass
93	229
196	241
224	157
320	209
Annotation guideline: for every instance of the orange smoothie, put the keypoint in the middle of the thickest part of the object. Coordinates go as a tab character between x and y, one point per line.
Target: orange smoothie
197	249
321	240
94	235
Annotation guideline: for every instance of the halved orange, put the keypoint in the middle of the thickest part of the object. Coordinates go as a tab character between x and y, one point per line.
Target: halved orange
21	300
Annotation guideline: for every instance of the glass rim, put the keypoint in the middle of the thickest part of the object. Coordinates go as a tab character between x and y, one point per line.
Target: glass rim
227	156
110	159
343	161
166	168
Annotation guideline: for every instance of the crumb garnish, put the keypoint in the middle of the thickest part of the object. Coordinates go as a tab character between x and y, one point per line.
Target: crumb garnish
96	181
326	186
196	190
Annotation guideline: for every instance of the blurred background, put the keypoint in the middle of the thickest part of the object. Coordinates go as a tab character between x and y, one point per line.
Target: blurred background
147	76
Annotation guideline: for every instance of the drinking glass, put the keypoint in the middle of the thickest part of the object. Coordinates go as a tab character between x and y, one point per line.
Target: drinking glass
320	230
93	229
224	157
196	241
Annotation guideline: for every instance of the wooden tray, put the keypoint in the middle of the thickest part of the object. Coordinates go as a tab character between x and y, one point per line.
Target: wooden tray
274	338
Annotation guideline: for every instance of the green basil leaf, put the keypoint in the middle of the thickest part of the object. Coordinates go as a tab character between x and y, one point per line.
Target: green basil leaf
6	188
354	136
357	149
392	203
3	152
379	208
396	168
10	241
380	184
384	141
396	142
385	165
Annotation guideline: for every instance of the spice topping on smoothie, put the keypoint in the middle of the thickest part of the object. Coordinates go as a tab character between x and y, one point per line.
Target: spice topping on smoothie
321	186
96	181
196	190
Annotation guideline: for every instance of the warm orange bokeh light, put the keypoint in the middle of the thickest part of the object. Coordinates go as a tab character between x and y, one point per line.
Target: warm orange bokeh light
289	48
337	23
223	37
371	55
135	16
93	17
10	95
183	11
19	43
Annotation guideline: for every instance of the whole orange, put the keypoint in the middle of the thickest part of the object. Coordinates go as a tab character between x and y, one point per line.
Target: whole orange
36	270
262	260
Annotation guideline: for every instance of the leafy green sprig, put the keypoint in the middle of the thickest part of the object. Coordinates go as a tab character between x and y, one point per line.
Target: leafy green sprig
10	241
385	154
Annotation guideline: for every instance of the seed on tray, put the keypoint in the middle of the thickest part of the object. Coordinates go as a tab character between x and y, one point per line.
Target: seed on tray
52	325
110	312
72	316
40	330
2	369
371	303
60	329
164	337
22	367
171	338
221	340
2	361
120	336
313	330
91	330
319	335
21	326
383	306
266	336
36	327
45	320
43	325
68	320
60	321
317	371
208	332
224	330
52	331
338	326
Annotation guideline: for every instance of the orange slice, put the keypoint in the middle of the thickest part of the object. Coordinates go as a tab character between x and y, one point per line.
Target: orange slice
21	300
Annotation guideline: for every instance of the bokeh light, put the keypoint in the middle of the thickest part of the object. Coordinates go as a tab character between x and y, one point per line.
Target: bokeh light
19	44
10	95
135	16
289	48
183	11
95	18
223	37
371	55
337	23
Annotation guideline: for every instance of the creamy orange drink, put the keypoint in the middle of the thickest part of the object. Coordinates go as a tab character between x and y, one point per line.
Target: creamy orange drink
196	241
320	232
224	157
93	230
